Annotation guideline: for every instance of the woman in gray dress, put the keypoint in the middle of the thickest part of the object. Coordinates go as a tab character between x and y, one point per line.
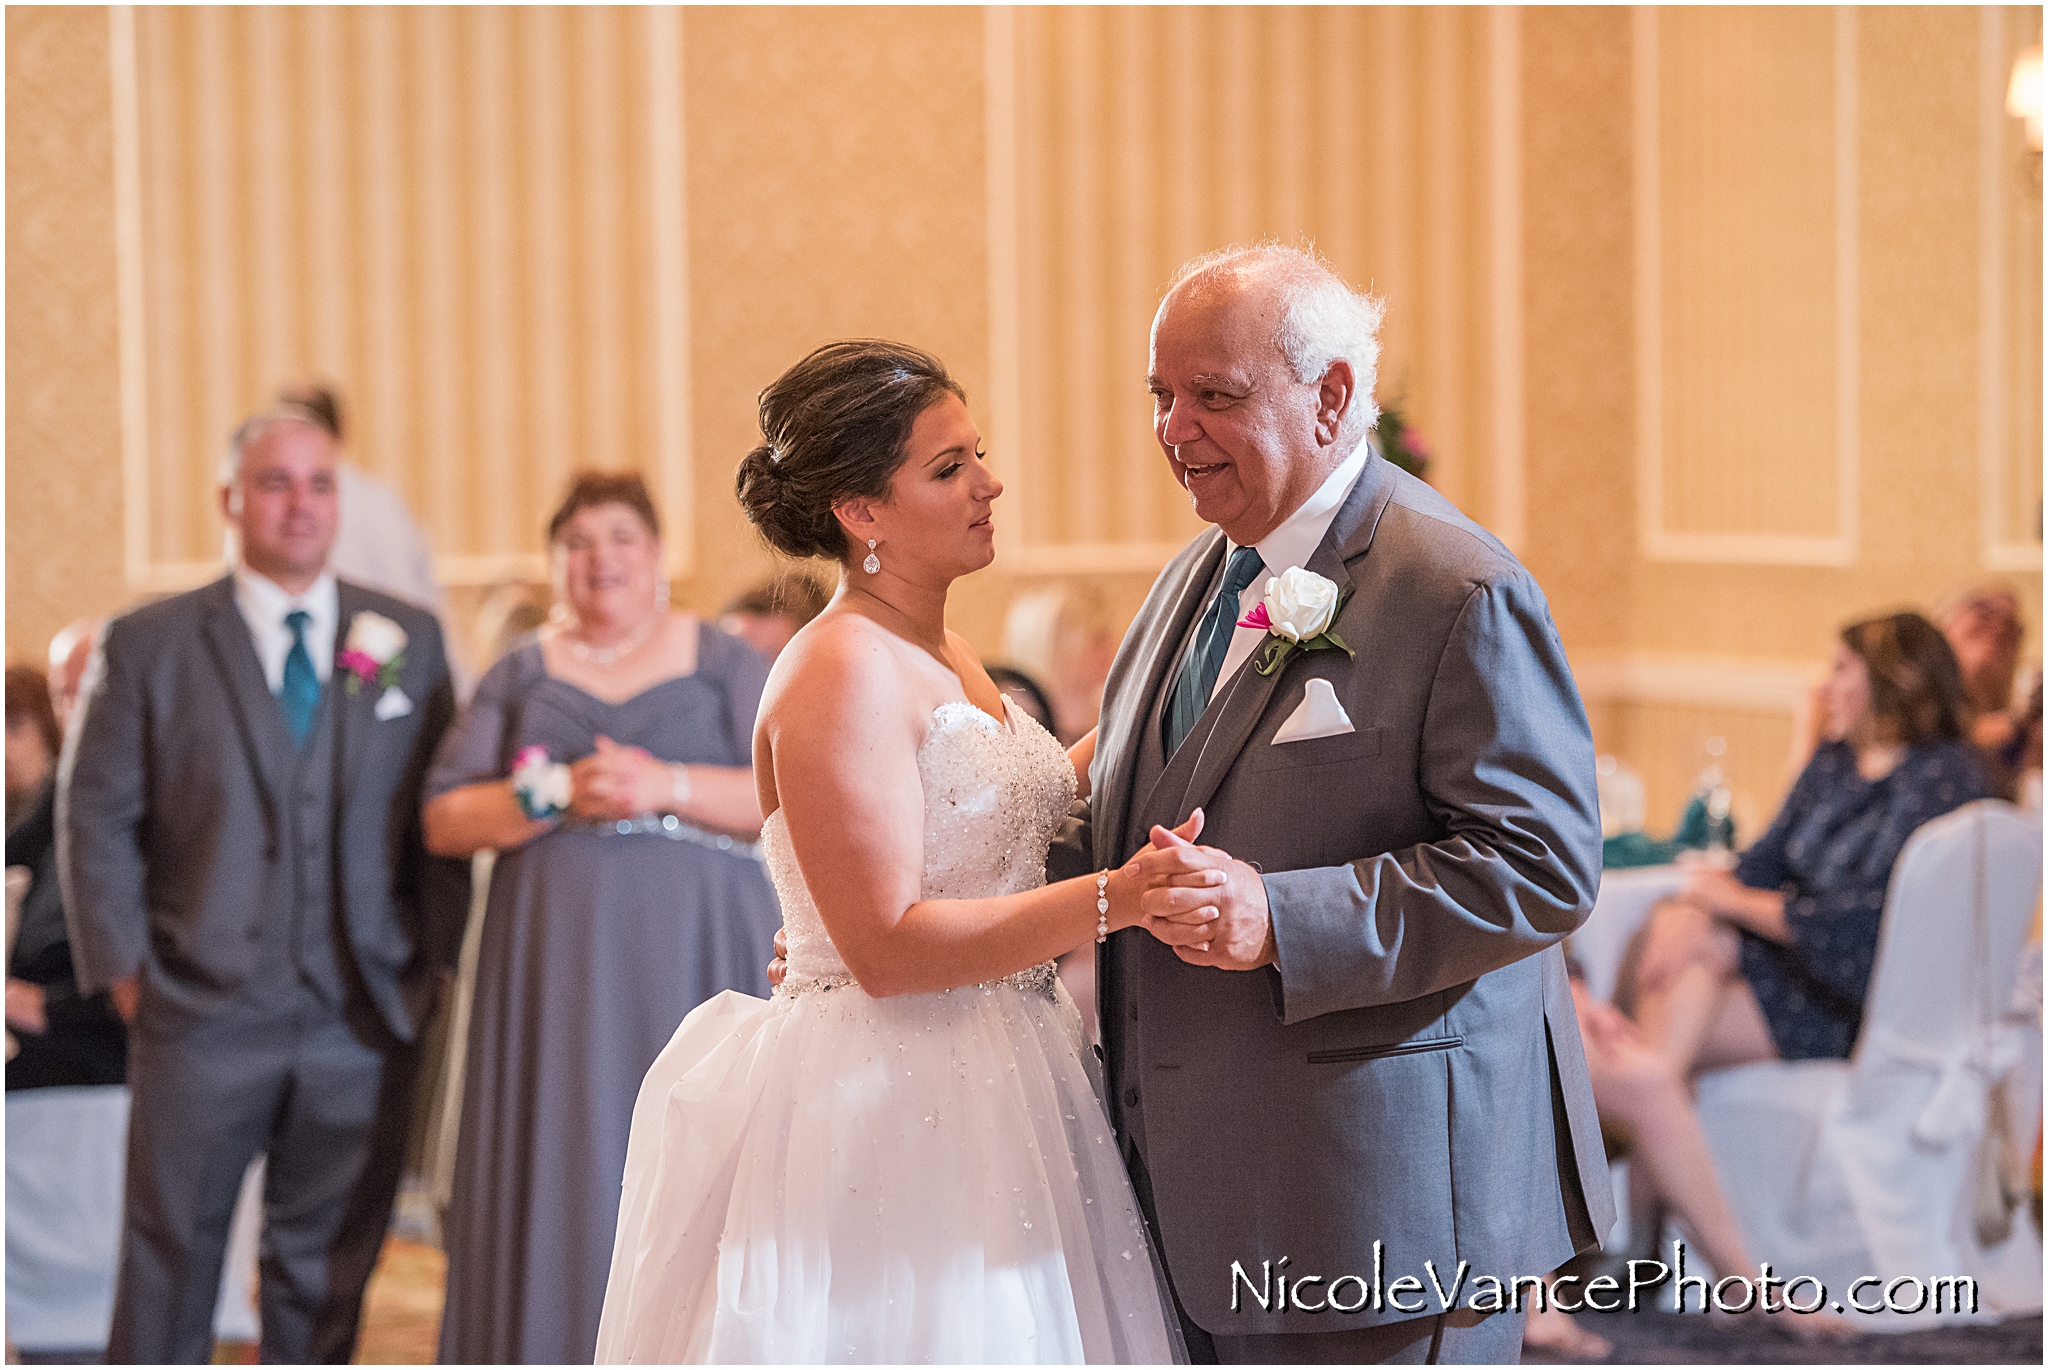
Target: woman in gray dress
606	923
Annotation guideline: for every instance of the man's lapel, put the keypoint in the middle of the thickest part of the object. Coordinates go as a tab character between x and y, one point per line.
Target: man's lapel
1152	676
353	709
1216	741
259	720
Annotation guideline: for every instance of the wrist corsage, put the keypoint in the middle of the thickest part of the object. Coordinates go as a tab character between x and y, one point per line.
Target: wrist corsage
1297	611
374	653
541	786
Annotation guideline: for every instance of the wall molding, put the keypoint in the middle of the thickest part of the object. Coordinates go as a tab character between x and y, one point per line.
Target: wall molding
1510	501
147	463
1772	684
668	182
1005	283
1994	398
1658	542
1089	558
128	253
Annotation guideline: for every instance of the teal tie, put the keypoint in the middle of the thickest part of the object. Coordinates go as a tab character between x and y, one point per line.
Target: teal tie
1212	644
301	687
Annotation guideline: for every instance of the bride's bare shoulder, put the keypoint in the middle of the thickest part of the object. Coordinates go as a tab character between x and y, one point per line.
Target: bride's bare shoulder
840	669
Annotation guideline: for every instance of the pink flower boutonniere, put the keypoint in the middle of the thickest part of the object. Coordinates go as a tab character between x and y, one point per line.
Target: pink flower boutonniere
374	653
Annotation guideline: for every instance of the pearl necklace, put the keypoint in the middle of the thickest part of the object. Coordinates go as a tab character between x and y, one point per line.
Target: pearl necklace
605	656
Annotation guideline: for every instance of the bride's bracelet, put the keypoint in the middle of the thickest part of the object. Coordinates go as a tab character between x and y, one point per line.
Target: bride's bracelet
1101	907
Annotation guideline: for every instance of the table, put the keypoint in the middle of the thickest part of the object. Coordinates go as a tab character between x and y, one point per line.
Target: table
1625	899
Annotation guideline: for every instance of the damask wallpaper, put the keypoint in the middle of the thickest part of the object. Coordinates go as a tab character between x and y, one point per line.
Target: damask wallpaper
525	240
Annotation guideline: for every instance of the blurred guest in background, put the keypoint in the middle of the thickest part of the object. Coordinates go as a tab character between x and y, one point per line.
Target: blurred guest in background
1063	637
67	1065
1028	693
33	740
239	848
64	1038
1984	629
511	610
1772	961
1983	626
767	616
608	920
378	542
70	651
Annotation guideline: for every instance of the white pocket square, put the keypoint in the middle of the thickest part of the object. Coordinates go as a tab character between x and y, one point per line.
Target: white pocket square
1318	715
392	704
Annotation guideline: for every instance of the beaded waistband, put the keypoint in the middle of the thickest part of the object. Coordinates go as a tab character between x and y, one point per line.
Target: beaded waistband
676	830
1038	980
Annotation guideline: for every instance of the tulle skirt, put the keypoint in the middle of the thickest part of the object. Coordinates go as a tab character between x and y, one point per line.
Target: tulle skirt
832	1177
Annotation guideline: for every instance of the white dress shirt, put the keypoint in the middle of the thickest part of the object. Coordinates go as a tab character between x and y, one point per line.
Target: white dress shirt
1288	546
264	604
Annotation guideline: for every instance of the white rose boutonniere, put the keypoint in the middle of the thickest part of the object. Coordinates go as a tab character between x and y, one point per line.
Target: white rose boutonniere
374	653
1298	609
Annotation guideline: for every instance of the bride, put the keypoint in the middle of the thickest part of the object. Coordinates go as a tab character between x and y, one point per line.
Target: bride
901	1155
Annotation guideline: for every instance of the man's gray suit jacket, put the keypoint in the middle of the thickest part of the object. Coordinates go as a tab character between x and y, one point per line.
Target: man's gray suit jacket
1411	1072
171	819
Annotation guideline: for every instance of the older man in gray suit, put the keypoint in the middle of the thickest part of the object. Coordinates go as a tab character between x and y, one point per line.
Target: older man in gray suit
242	866
1359	1107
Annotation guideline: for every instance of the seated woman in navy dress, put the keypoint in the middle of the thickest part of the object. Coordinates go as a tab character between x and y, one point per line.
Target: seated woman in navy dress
1772	961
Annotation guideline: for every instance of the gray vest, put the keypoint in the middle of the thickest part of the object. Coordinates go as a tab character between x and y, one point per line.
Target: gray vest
298	940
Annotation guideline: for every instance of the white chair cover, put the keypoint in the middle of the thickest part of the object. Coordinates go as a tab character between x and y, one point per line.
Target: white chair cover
65	1157
66	1160
1842	1169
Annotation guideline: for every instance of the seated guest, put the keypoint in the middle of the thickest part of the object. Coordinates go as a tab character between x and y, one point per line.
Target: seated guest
1771	961
64	1038
33	741
767	616
1983	626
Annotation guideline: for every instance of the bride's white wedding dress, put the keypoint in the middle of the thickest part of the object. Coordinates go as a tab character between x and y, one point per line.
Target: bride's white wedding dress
826	1176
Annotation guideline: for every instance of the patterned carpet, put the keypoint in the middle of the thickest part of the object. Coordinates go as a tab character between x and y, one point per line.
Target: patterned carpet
402	1317
1690	1339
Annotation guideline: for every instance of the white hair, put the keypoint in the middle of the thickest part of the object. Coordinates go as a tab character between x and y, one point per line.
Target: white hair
1324	319
254	427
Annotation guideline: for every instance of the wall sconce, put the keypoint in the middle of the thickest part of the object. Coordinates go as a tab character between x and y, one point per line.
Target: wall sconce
2023	94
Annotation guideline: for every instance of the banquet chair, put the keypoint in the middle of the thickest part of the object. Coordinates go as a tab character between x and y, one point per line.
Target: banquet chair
1876	1165
66	1157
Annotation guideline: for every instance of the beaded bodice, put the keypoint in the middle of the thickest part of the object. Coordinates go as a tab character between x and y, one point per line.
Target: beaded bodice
993	798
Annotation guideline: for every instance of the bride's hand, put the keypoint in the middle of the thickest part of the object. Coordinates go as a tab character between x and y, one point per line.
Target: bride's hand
1158	869
779	967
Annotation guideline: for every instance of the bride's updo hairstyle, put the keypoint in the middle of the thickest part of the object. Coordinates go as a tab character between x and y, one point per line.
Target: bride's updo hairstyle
834	428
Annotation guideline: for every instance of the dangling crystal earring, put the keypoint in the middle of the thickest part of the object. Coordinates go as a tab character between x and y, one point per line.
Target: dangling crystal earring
873	563
661	593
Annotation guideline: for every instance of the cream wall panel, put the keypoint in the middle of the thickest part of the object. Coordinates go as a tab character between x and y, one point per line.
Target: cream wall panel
447	213
2009	212
1146	135
1747	284
838	177
64	497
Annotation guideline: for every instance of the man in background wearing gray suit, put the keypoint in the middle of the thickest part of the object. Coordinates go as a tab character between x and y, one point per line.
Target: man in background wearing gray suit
241	862
1371	1062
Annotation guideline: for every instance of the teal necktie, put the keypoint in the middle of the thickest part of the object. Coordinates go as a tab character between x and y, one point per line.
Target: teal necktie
1212	644
301	686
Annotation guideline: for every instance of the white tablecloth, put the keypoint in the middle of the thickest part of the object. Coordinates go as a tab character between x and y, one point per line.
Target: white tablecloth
1625	899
